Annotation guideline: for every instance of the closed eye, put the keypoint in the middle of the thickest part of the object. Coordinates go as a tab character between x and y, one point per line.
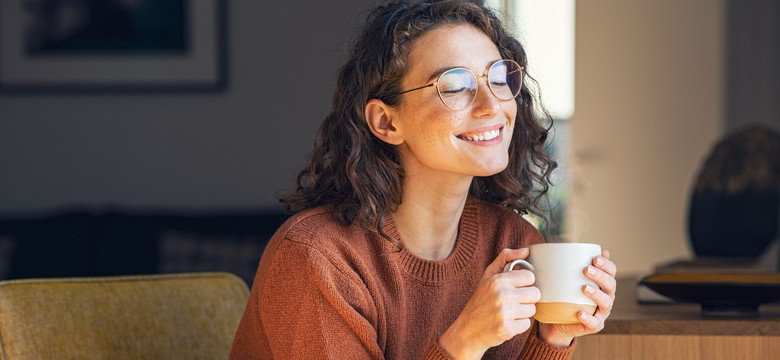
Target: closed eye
455	91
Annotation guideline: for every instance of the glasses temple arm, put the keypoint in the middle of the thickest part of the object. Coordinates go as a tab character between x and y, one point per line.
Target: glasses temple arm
514	71
415	89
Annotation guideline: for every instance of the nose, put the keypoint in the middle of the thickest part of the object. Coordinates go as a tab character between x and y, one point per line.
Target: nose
485	104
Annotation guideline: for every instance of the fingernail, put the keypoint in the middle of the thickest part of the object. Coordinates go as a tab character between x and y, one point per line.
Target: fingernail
591	270
600	261
582	315
589	289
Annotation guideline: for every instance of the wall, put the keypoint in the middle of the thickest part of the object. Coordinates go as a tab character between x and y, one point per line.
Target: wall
196	151
649	103
650	79
754	52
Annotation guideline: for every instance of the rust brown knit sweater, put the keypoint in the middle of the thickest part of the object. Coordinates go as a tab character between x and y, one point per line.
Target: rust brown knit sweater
327	291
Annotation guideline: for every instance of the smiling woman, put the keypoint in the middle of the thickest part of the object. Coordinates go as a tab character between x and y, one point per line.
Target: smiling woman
439	144
409	209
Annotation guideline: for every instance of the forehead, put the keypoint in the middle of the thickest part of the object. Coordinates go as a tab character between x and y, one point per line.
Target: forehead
449	46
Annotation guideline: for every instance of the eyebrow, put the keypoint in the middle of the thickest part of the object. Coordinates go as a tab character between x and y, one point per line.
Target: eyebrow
438	73
441	70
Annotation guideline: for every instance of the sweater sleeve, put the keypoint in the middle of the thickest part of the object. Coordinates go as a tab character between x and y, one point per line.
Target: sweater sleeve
312	308
536	348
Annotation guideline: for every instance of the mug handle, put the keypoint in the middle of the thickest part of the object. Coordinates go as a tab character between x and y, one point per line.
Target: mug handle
522	263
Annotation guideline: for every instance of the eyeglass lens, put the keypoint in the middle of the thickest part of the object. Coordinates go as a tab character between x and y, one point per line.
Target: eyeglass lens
458	87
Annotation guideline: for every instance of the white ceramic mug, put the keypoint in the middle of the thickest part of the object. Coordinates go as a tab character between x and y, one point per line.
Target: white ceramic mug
559	269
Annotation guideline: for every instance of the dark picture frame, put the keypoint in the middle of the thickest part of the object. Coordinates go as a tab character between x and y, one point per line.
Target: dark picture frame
112	45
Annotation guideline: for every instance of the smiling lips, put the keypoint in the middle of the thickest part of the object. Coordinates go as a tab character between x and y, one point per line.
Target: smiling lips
481	136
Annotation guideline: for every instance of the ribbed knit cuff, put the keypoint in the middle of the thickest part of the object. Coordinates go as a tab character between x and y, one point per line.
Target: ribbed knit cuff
536	348
435	352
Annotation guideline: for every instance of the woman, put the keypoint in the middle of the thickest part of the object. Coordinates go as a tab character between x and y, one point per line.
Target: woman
408	211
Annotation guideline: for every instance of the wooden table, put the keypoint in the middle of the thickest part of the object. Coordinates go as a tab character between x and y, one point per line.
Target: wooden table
678	331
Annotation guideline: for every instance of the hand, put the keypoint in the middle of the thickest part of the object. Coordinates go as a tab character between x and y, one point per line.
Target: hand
602	272
500	308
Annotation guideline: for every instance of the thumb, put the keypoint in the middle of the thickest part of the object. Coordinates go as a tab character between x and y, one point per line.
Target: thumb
505	257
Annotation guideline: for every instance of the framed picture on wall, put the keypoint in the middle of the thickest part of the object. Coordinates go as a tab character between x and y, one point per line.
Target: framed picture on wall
112	45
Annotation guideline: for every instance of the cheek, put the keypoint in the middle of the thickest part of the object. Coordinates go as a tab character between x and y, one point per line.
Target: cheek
511	114
511	110
435	133
432	123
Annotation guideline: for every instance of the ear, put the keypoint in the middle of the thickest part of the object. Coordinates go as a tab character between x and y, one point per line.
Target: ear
380	118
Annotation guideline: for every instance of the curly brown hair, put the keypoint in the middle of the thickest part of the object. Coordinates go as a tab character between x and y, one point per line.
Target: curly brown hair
360	176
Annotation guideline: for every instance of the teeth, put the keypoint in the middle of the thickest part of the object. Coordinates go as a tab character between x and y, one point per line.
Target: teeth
487	135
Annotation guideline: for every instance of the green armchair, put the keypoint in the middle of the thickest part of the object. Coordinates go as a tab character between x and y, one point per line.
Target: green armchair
170	316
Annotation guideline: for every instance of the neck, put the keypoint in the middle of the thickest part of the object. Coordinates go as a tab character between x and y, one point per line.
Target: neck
427	220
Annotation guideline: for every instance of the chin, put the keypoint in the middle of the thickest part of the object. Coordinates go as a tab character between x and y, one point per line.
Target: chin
485	172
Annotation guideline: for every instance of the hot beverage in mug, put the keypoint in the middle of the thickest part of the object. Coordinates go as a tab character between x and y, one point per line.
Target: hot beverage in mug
559	269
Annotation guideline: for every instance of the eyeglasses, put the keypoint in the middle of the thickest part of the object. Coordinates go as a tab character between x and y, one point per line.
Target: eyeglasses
457	87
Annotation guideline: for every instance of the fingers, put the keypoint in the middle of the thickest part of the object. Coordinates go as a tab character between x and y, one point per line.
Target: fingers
500	310
516	285
603	263
512	327
522	311
504	257
508	255
595	324
519	278
604	280
519	308
602	299
522	324
528	295
602	272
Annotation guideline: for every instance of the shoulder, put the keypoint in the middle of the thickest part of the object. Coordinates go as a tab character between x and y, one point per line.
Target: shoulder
318	228
310	257
501	222
498	215
315	238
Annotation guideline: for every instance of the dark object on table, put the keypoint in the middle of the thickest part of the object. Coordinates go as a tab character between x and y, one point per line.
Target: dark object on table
737	295
734	209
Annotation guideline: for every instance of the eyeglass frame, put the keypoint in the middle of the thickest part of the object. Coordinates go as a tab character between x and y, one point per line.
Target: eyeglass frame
476	78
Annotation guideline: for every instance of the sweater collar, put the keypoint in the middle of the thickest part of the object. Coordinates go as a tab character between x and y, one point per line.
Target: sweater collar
434	272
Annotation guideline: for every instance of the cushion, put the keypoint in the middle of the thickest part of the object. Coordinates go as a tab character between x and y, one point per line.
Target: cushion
171	316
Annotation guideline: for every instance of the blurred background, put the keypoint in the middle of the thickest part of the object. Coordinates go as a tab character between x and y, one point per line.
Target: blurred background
231	119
